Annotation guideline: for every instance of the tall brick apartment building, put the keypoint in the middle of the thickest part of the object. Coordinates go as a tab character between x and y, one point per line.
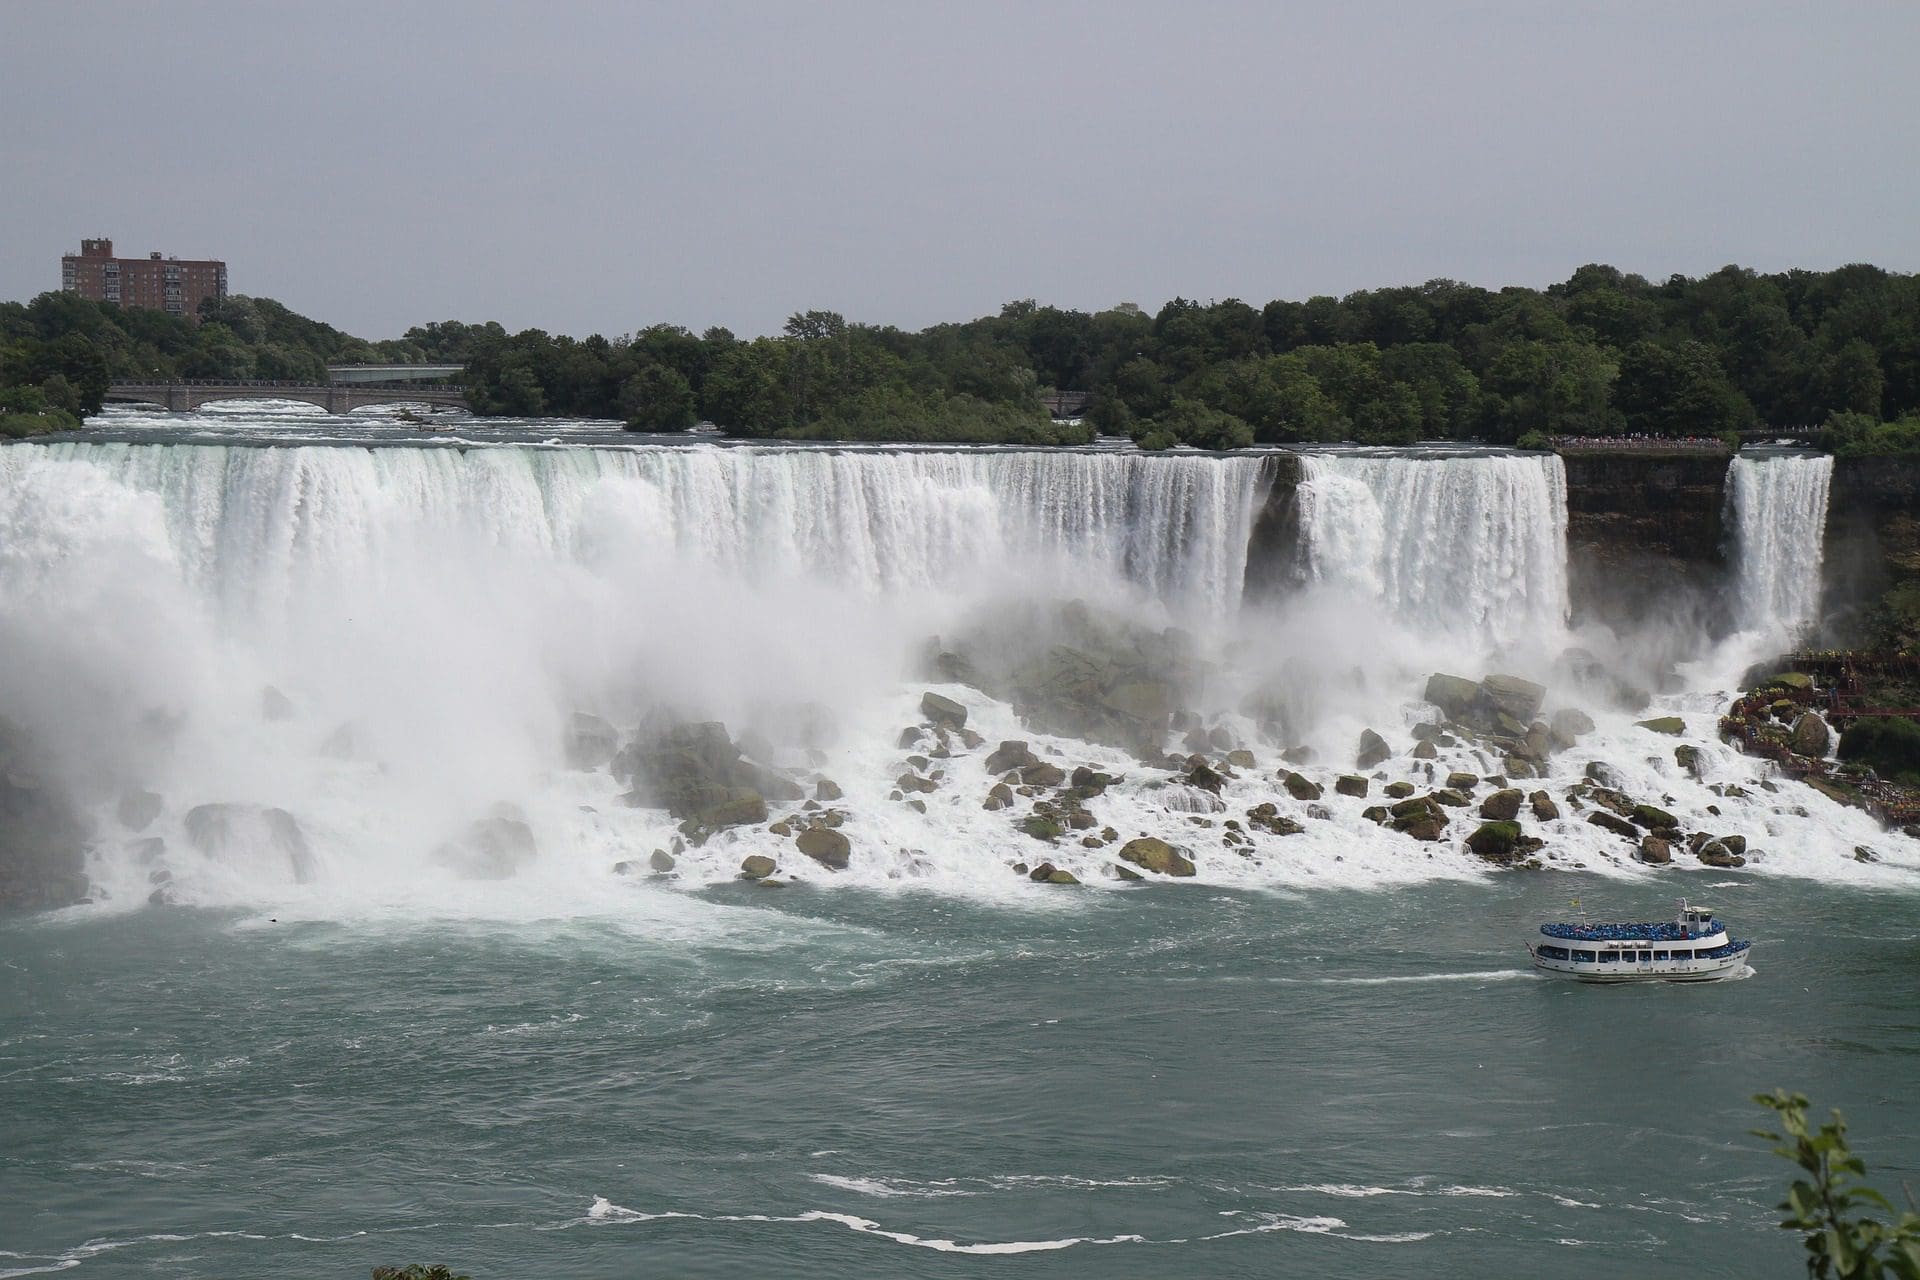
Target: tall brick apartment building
172	285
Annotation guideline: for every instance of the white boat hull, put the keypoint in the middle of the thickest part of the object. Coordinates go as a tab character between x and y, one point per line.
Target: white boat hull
1614	973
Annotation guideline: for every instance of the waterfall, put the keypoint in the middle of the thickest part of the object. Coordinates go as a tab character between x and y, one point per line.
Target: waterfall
1777	508
244	520
1472	546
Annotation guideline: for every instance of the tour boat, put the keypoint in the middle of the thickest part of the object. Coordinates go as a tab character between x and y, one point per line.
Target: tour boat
1694	948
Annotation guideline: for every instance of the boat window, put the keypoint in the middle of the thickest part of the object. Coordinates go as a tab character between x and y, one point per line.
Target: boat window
1608	957
1663	955
1645	956
1584	955
1682	955
1554	953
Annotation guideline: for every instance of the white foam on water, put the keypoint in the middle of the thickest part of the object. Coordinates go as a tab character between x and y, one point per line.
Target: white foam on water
891	1189
605	1213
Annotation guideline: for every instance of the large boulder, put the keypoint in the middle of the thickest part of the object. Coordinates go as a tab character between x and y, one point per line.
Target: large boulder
1568	724
943	711
1422	818
590	741
1652	817
756	866
1543	807
1157	856
1203	776
1502	806
493	848
1010	755
1714	853
1301	787
138	809
825	846
1606	775
1512	696
233	832
1452	694
1612	822
1811	736
1671	725
1043	773
742	807
1687	756
1351	785
1498	842
1267	817
1373	750
1655	851
695	771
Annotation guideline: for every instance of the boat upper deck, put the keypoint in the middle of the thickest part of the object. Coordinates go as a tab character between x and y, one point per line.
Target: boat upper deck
1664	931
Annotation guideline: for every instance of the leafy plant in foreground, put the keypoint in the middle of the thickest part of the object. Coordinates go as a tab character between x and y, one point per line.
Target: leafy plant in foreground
1831	1206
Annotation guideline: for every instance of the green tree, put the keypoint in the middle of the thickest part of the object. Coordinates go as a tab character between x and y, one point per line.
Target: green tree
1679	391
657	398
1558	388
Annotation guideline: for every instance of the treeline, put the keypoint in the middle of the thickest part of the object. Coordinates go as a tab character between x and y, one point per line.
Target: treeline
822	378
1603	353
59	352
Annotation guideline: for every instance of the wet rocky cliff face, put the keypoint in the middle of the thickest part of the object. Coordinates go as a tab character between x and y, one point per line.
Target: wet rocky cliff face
1872	562
1644	533
1275	562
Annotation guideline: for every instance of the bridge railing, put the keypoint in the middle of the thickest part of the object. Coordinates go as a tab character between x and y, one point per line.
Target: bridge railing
276	384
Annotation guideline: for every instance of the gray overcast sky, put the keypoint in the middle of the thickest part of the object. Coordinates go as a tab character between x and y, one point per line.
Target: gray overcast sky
603	167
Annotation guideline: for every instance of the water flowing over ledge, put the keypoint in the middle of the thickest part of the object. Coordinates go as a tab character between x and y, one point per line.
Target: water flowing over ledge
1465	544
343	658
1777	508
240	518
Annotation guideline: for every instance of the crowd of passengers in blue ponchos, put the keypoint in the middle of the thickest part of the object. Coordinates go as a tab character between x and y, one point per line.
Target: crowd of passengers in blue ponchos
1628	932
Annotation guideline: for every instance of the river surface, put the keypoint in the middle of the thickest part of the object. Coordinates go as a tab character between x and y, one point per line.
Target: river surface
749	1081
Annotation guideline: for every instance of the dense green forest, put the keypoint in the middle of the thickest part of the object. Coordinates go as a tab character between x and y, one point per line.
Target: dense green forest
1603	353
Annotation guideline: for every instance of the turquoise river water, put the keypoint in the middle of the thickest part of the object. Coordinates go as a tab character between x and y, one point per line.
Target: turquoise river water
748	1082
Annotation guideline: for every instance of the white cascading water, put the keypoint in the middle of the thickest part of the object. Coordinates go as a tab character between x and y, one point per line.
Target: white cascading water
244	521
383	645
1473	546
1777	507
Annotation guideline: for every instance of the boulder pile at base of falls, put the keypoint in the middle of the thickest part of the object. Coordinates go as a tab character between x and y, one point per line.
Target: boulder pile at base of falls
696	772
42	836
1073	671
1501	714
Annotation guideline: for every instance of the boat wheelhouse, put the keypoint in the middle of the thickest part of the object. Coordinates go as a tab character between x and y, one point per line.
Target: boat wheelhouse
1694	948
